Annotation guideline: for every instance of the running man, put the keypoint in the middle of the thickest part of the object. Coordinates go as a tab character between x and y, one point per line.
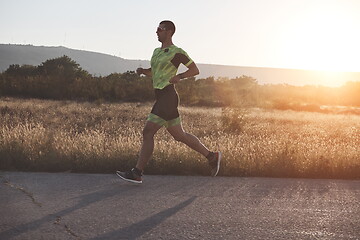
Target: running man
165	62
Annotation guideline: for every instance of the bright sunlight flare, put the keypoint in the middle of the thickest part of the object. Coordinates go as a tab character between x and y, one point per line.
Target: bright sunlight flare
324	37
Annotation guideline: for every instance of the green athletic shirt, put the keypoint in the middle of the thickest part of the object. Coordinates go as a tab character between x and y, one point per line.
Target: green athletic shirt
165	63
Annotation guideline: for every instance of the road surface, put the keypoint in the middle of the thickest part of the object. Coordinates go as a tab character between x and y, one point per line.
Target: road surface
101	206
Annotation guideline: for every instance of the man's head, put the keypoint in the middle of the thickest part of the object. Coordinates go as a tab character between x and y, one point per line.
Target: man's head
165	30
169	25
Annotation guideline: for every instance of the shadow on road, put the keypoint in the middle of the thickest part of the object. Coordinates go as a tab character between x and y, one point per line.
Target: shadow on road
85	200
138	229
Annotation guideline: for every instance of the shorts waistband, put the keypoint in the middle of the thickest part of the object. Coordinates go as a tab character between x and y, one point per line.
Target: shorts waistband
168	89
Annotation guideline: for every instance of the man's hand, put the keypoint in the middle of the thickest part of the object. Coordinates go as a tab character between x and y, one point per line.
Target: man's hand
192	71
140	71
146	71
175	79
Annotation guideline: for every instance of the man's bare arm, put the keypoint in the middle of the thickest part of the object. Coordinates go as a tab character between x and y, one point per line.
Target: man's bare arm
192	71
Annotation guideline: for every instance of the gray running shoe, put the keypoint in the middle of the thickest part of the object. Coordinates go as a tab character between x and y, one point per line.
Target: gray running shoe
214	162
132	175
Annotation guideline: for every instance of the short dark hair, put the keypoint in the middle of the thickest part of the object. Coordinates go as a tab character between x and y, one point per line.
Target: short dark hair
169	25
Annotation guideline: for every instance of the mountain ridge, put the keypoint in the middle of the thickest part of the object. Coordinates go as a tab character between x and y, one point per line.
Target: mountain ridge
100	64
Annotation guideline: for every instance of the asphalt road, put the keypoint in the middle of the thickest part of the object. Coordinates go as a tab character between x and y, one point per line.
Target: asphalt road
101	206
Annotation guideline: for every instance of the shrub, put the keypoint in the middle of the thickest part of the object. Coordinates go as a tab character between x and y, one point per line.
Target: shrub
233	119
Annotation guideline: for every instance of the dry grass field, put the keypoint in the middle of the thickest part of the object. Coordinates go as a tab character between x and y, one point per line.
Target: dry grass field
43	135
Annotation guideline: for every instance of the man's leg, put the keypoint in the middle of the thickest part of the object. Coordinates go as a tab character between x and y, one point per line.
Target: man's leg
193	142
134	175
147	147
190	140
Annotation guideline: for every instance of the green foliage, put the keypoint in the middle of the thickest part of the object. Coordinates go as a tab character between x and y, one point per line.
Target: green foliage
63	78
24	70
51	79
238	92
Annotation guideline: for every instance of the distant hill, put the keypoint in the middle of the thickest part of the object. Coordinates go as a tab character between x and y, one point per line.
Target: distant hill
94	63
104	64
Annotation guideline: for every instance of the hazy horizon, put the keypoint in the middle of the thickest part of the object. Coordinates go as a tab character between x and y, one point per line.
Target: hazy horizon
88	60
226	65
297	34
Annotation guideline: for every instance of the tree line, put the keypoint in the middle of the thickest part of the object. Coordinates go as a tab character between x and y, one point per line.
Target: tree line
63	79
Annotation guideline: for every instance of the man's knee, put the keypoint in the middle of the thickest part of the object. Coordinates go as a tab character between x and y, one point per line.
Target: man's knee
150	129
181	137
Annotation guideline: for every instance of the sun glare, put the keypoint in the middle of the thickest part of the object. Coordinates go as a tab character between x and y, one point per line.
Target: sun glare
324	38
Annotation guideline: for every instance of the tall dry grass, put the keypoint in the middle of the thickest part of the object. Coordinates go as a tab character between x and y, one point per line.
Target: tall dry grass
39	135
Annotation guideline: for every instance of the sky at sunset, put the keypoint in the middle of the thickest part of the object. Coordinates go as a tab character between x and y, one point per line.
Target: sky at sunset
300	34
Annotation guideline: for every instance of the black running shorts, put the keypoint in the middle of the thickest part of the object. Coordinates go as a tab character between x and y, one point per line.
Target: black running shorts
165	110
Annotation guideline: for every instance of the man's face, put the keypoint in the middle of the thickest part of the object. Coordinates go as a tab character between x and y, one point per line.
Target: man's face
162	33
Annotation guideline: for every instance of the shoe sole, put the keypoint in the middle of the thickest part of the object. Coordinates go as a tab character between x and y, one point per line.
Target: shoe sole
218	166
128	180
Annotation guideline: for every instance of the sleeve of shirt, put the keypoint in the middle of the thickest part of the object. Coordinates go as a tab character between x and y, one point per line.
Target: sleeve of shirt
181	57
187	60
